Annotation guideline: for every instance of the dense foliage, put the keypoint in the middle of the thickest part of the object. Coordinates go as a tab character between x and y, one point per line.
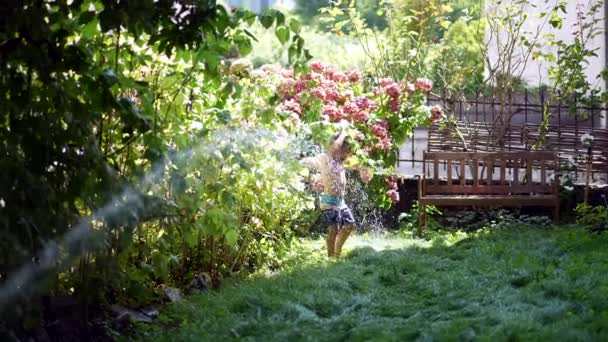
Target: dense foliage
137	143
102	96
371	10
594	218
441	40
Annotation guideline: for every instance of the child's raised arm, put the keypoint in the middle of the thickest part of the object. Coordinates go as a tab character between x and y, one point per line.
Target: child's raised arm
311	162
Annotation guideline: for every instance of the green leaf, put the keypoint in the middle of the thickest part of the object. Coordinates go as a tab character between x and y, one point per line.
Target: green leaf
244	46
192	238
90	29
250	35
300	68
307	55
556	21
86	17
292	53
246	15
266	20
232	237
445	24
280	17
282	33
300	43
295	26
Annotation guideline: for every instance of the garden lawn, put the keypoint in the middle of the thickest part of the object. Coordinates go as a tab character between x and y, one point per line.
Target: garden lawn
522	283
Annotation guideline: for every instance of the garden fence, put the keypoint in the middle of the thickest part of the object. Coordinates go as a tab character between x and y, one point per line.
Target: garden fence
567	124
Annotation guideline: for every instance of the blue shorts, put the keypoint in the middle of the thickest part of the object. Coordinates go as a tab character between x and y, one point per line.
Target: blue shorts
339	216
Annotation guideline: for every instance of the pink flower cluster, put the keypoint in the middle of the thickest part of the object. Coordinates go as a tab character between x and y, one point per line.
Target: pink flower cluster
392	191
292	105
394	90
424	85
410	88
436	113
333	88
380	130
336	76
394	105
366	104
333	112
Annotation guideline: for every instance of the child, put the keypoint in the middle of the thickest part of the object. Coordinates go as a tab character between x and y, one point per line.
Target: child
334	210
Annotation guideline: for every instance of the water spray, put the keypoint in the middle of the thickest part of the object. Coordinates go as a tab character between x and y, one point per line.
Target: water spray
82	237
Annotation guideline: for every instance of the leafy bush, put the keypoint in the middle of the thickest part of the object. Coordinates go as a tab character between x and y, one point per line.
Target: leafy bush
456	62
423	38
409	221
102	101
470	220
328	47
371	10
594	218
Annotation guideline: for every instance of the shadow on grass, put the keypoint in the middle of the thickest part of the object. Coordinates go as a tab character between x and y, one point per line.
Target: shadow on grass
517	284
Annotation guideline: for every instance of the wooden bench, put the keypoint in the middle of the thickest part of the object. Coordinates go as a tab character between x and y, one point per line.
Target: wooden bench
490	179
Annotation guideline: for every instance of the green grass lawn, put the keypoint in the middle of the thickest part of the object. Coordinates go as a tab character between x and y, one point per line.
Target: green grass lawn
510	284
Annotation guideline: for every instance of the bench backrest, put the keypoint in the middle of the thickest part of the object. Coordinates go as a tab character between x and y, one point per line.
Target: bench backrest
490	173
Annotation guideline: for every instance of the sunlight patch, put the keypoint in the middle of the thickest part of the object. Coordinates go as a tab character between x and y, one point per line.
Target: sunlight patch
380	242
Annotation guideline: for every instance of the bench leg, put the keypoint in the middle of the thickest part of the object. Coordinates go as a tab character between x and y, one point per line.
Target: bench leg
556	214
421	219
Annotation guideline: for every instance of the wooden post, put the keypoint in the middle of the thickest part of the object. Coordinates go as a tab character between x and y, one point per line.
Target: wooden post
588	178
421	219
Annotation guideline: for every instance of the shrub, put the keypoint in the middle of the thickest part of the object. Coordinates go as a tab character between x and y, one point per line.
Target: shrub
594	218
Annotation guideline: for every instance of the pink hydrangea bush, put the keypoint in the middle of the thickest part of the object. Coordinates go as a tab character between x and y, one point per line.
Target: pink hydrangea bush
379	118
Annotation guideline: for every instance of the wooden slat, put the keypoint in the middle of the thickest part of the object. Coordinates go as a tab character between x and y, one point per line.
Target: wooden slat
515	172
502	201
529	181
490	171
475	173
463	175
543	173
435	171
487	189
536	155
449	171
503	171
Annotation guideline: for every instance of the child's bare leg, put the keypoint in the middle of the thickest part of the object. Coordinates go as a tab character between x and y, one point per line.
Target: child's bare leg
341	238
331	240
